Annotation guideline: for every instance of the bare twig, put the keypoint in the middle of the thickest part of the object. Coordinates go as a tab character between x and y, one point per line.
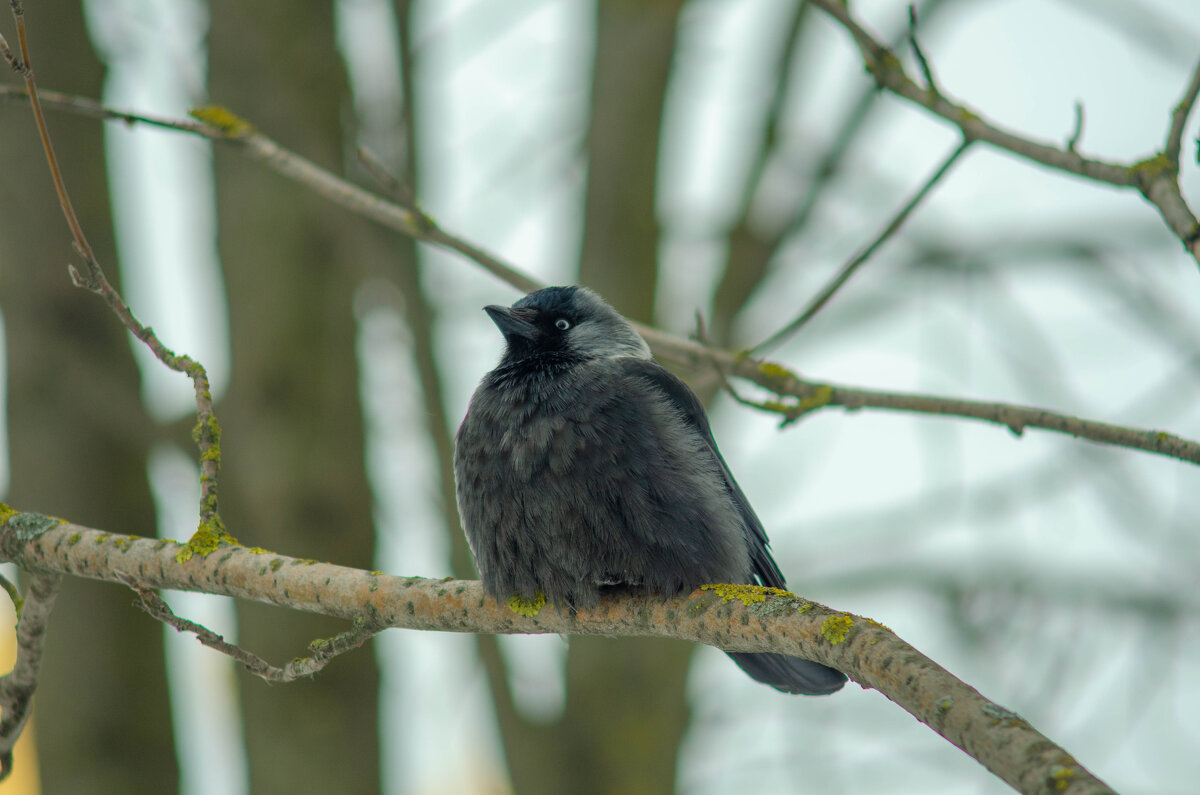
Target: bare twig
17	686
350	196
1077	132
926	69
323	649
847	270
14	61
1179	117
395	187
90	108
736	618
207	433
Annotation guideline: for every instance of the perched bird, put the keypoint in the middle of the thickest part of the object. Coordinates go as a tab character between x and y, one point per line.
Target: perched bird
583	464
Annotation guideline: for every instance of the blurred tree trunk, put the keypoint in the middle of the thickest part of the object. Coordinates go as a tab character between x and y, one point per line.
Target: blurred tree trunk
625	710
635	43
294	475
78	436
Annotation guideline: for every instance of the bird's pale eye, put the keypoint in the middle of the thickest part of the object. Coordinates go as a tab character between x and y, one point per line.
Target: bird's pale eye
562	324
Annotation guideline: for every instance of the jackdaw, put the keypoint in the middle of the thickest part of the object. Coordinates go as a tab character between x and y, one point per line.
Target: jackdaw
583	464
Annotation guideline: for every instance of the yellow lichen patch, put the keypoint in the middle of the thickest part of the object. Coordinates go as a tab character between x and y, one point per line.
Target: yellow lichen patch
210	535
776	372
821	396
526	607
1146	171
836	628
794	408
746	594
964	117
6	513
1062	777
225	120
776	406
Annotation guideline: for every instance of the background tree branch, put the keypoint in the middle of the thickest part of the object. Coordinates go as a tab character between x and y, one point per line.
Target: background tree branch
667	347
1156	177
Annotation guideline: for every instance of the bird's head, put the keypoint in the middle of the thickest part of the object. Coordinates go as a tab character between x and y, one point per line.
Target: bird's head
568	321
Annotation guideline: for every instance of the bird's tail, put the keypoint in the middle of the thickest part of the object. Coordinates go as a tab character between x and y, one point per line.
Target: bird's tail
790	674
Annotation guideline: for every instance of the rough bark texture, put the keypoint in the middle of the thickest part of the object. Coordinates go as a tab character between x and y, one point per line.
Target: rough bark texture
293	439
78	437
733	617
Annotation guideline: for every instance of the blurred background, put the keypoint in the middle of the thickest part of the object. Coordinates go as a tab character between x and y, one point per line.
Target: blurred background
682	157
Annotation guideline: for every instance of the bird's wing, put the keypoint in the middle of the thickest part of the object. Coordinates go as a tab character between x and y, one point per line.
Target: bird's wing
692	411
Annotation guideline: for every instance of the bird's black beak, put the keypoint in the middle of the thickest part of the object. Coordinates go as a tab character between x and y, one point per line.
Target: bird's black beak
513	322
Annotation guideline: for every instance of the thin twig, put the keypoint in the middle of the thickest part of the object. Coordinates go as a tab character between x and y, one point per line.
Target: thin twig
17	686
868	652
64	200
1077	133
207	433
849	268
357	200
323	649
926	69
15	62
1179	117
90	108
400	191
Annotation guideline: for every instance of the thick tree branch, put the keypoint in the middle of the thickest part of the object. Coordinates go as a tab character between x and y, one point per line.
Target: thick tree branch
736	618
